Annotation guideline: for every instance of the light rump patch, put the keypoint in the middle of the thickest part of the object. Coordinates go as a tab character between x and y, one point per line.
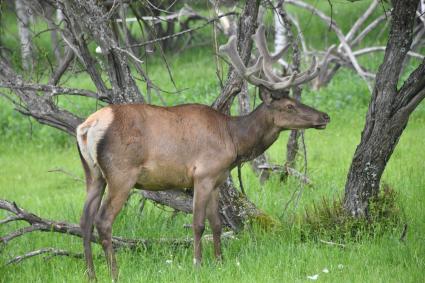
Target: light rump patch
91	131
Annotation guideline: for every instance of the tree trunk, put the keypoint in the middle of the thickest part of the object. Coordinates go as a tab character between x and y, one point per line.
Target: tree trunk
388	112
23	15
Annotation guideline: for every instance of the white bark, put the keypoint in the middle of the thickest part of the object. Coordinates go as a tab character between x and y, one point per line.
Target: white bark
228	25
23	15
280	38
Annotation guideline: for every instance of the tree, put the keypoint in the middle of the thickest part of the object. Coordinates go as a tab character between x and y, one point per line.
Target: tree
388	114
23	14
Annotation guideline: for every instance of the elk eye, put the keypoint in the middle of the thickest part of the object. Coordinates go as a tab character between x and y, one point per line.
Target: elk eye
290	107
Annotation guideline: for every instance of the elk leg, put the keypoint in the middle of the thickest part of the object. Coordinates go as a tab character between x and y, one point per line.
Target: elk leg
202	192
215	222
116	197
95	189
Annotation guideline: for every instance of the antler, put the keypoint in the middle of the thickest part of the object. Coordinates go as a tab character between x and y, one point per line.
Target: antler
264	64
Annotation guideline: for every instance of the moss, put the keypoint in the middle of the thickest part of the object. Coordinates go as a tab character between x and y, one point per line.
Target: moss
328	219
265	222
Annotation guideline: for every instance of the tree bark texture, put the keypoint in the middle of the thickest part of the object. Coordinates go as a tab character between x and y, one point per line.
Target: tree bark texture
388	112
87	17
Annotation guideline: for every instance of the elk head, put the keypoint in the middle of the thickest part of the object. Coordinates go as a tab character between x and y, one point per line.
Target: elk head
285	112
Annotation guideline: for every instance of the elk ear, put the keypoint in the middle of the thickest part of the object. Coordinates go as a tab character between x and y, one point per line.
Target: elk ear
266	96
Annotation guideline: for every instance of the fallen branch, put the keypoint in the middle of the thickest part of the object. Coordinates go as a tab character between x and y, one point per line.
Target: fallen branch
37	223
46	225
50	251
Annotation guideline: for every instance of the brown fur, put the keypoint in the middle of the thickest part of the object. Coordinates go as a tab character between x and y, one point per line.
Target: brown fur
186	146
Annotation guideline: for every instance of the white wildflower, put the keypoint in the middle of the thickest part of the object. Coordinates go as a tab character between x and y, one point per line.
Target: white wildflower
313	277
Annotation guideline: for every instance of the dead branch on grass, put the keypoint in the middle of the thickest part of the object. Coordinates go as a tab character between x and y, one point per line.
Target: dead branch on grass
37	223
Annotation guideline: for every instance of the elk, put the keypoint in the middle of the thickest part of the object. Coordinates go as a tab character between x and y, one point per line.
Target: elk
185	146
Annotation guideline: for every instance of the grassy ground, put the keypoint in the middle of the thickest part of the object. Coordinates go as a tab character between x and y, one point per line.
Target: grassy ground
28	151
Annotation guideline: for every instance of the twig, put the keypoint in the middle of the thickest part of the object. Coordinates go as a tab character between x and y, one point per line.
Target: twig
63	66
404	233
73	176
343	42
382	48
330	4
183	32
360	21
368	29
52	90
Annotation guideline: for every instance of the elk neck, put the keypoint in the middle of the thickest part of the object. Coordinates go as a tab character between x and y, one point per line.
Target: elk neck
253	133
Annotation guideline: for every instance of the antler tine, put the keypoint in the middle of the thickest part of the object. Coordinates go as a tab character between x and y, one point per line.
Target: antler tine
230	50
264	63
256	67
297	79
309	74
261	43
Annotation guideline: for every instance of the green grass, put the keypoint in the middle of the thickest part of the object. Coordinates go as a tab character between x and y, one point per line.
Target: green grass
255	256
28	150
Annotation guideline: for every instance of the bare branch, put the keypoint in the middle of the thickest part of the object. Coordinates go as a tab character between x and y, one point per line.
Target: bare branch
382	48
52	90
45	225
300	34
369	28
360	21
10	219
64	64
51	251
89	18
183	31
41	108
73	176
343	42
